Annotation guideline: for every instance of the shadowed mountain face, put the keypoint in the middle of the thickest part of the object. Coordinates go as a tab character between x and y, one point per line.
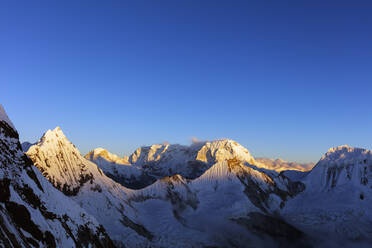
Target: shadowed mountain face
31	213
120	170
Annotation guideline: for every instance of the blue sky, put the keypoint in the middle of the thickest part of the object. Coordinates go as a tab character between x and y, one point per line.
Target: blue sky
285	79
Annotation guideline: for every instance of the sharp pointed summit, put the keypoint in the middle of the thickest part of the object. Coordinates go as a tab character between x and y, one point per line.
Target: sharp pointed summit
138	199
32	211
60	162
63	165
4	117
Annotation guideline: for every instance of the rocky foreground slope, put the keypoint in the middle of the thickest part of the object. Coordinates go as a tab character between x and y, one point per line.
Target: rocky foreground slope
32	212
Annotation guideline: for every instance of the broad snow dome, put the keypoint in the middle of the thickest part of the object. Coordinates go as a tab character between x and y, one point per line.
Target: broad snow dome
4	116
346	155
224	149
104	154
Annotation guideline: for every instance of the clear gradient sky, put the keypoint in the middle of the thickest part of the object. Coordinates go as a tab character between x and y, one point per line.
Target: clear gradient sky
285	79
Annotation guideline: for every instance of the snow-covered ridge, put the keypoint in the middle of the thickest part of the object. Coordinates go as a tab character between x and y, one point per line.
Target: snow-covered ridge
153	162
63	165
174	157
108	156
207	152
119	169
222	150
198	208
337	198
31	213
4	117
281	165
166	160
224	184
342	167
60	161
345	154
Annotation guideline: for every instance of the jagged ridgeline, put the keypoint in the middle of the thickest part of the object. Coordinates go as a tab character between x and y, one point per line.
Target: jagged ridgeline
196	196
32	212
209	194
81	180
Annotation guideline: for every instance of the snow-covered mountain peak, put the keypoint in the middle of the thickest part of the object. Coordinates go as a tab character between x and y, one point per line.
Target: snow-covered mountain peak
342	167
61	162
55	133
4	117
208	152
32	212
338	148
161	160
281	165
54	136
345	154
63	165
224	149
148	163
150	153
106	155
99	150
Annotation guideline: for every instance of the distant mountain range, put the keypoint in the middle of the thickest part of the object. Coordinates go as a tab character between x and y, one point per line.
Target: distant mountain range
208	194
149	163
282	165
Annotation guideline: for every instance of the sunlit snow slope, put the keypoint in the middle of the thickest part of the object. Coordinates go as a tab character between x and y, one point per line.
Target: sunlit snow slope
62	164
32	212
206	193
214	194
336	205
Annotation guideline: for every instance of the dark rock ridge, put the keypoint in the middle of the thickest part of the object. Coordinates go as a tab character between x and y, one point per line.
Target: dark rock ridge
254	191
